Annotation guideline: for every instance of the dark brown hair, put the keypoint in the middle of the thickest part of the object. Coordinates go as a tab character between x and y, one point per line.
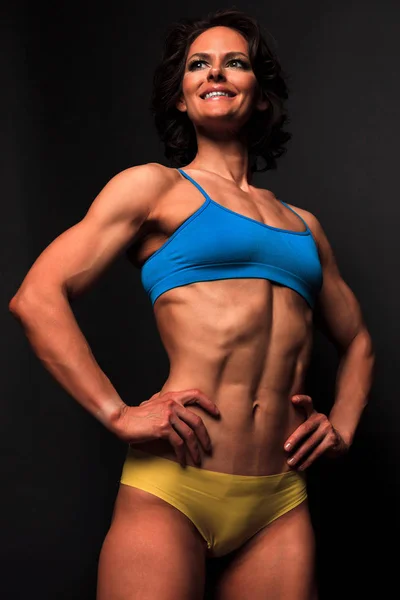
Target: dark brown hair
264	129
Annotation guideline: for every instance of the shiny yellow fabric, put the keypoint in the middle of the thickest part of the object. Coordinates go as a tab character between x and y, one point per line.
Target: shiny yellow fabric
226	509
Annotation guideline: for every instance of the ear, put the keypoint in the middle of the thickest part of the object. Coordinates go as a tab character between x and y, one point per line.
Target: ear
181	104
262	102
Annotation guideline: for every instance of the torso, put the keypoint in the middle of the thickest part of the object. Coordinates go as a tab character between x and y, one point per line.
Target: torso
246	343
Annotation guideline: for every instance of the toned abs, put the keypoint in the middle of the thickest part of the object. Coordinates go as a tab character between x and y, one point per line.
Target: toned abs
246	343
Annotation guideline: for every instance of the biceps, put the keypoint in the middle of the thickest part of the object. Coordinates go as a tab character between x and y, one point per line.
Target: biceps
77	258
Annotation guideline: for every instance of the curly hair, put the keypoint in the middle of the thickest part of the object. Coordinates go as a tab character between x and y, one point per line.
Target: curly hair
176	130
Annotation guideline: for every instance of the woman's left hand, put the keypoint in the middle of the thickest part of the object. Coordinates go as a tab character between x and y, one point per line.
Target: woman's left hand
314	437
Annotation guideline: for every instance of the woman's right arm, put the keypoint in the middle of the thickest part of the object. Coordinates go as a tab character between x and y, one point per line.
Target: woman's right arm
70	265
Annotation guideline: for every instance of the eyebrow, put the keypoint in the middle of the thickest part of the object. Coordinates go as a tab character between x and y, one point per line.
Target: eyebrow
205	55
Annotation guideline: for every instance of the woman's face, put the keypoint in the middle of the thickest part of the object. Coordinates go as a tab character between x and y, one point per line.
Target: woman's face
218	59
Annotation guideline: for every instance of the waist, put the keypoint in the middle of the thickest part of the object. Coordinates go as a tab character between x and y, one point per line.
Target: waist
245	440
170	468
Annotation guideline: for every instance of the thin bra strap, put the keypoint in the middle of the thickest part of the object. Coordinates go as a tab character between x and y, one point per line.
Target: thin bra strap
206	196
297	214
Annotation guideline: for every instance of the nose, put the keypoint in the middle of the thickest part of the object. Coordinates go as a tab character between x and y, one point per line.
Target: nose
215	73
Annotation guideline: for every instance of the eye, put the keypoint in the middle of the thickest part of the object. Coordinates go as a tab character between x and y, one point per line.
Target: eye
193	64
243	64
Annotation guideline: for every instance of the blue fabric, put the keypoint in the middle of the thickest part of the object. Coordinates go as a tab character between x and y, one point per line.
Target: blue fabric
218	243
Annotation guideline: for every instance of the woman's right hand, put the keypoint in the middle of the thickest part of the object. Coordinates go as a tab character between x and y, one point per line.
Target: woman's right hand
164	417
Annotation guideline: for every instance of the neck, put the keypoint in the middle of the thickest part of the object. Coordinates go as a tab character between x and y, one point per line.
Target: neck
226	157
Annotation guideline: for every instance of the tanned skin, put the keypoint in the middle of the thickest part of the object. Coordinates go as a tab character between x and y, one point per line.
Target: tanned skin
238	351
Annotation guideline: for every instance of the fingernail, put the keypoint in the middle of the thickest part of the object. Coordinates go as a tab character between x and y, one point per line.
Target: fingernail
290	461
288	446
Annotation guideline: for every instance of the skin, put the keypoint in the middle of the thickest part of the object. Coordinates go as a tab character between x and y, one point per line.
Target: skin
250	340
241	344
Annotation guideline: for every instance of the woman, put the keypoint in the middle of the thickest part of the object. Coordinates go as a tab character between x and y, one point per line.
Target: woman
216	458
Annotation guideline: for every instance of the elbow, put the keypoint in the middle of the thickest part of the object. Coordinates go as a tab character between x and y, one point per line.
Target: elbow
34	298
365	347
23	303
361	344
369	345
365	344
18	305
14	305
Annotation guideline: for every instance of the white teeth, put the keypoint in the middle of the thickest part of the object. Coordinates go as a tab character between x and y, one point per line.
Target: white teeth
210	94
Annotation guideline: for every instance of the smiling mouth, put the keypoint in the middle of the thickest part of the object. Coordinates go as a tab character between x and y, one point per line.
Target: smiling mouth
221	94
219	98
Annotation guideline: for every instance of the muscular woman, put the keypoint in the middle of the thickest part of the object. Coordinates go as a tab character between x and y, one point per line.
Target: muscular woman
216	459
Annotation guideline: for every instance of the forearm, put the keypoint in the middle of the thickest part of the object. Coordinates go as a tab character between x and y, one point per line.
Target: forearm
353	384
58	342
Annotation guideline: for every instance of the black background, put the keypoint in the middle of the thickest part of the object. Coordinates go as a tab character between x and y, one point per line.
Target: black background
76	80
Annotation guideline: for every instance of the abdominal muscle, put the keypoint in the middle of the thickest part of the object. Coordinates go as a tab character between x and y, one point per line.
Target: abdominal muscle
246	344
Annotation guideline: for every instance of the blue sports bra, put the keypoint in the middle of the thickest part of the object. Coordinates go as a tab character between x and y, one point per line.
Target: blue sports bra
218	243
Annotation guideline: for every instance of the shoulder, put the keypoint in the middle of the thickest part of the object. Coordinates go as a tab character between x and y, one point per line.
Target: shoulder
138	188
325	250
312	222
308	216
146	178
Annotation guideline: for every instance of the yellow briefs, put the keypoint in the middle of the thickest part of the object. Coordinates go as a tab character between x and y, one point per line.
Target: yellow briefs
226	509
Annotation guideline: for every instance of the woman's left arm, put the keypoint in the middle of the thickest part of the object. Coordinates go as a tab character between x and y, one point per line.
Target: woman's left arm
338	315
